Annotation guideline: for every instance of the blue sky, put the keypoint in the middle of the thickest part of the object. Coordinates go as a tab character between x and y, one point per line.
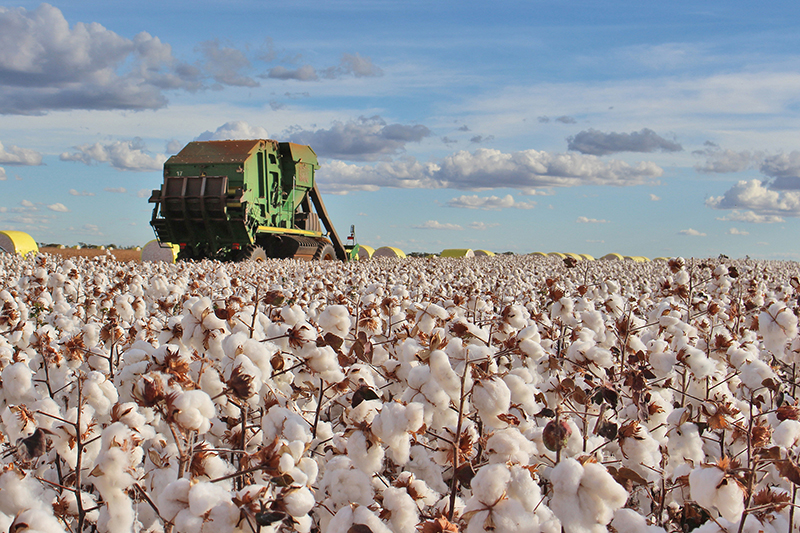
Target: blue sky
640	128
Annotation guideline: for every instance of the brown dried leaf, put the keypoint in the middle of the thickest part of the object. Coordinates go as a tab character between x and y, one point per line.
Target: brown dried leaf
439	525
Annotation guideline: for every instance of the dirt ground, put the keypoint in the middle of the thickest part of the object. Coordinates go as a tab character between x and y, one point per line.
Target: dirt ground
120	255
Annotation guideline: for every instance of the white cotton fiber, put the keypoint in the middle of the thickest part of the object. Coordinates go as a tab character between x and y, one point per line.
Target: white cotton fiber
491	397
195	409
585	497
709	489
629	521
335	319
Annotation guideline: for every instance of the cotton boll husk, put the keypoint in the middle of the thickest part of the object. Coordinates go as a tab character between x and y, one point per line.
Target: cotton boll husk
629	521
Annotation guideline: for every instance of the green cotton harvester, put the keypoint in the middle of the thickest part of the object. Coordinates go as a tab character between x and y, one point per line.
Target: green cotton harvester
245	199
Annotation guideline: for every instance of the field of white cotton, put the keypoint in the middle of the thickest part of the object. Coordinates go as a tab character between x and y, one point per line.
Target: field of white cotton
506	394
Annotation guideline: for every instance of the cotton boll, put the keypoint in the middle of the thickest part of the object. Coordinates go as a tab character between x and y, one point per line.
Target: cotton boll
489	484
640	451
100	393
585	497
709	488
194	410
629	521
298	501
281	422
365	455
293	314
325	361
777	326
347	517
685	445
491	397
335	319
787	434
345	484
444	375
37	521
404	512
18	384
174	498
700	365
509	446
423	466
204	496
754	372
20	491
18	422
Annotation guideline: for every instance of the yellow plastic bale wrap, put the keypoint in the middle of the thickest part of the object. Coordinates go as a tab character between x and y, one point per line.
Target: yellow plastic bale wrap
153	251
17	242
365	252
389	251
483	253
457	252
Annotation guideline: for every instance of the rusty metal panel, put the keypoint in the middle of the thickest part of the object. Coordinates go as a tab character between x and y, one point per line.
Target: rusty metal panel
216	152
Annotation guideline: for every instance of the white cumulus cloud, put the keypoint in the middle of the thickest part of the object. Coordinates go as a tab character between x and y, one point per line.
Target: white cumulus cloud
585	220
58	207
489	203
122	155
734	231
691	232
237	129
480	226
485	169
435	224
14	155
754	196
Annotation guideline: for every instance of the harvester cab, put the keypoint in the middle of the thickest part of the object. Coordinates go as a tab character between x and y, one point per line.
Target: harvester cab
245	199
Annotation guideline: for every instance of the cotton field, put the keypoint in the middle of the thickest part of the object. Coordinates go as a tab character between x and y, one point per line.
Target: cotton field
507	394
